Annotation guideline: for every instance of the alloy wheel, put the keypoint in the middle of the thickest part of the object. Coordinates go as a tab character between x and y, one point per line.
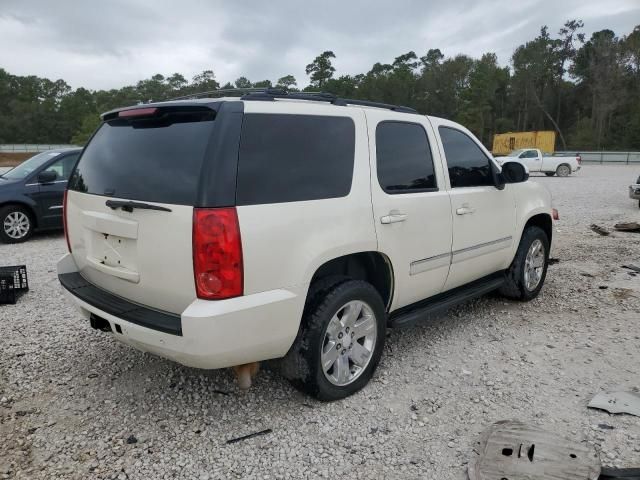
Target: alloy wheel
534	265
16	225
348	343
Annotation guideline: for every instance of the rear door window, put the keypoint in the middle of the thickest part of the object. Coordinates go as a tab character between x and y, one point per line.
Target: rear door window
154	159
404	160
290	158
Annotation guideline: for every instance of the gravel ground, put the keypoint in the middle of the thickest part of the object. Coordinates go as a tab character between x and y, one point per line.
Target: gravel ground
74	403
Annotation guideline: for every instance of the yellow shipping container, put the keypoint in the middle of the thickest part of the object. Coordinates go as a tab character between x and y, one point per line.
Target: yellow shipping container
505	143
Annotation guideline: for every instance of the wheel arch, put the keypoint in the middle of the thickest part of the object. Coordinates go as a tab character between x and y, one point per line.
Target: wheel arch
371	266
543	221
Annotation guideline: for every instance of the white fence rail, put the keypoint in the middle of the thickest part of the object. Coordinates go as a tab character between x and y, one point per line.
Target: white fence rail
31	147
604	157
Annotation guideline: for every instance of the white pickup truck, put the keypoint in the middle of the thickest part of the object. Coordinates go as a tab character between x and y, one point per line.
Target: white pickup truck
533	159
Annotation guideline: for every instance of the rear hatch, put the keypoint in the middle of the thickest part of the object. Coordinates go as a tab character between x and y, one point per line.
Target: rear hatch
130	203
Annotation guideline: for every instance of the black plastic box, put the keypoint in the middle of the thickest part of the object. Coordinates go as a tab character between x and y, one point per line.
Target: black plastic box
13	282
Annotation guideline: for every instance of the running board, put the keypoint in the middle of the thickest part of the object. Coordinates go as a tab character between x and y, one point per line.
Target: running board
418	311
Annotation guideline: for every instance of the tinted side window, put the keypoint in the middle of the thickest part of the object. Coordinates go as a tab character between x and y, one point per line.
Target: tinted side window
290	158
529	154
468	165
404	161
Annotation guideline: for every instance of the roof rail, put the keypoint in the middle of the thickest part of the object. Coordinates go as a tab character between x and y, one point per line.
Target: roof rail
225	91
270	94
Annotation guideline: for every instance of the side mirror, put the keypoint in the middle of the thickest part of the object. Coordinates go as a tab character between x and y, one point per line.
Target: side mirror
514	172
48	176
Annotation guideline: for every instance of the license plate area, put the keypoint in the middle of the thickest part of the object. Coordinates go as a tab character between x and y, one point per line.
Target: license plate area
113	251
113	255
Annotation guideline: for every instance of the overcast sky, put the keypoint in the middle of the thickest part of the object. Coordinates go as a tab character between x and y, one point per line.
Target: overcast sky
112	43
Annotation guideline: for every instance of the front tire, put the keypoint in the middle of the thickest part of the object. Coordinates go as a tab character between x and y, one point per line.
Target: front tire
340	341
526	275
16	224
563	170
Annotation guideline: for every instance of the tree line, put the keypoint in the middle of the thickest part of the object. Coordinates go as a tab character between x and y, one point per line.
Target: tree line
587	90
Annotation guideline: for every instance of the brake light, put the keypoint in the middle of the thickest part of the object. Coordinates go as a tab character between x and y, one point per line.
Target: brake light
64	220
137	112
579	158
554	214
217	253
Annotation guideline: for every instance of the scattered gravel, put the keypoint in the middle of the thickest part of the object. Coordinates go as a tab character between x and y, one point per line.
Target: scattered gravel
76	404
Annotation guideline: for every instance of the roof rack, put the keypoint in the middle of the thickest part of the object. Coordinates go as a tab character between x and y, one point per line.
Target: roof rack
270	94
222	92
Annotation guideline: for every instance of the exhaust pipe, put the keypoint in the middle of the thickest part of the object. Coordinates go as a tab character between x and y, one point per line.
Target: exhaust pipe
99	323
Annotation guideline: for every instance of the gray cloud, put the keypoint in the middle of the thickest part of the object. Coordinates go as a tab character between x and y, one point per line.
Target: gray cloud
115	43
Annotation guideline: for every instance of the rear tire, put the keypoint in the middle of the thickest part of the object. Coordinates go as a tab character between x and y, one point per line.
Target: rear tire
340	341
526	275
563	170
16	224
549	174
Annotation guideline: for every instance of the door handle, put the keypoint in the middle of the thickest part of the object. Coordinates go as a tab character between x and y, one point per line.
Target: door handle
394	217
465	210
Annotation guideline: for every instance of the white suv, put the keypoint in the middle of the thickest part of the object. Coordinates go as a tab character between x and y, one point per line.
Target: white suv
220	232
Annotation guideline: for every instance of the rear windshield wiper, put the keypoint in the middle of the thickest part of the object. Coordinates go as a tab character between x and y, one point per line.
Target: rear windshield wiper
129	206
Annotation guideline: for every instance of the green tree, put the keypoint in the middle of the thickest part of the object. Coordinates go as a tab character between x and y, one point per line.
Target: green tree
204	82
321	69
262	84
537	65
177	82
599	67
287	82
483	100
243	82
87	127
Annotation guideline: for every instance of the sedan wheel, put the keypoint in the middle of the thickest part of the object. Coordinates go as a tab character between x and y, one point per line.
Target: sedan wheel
17	225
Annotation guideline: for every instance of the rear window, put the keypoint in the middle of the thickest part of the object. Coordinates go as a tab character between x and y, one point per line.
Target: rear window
289	158
154	159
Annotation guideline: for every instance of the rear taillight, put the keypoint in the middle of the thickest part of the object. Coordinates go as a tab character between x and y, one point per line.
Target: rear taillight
554	214
579	158
217	253
64	221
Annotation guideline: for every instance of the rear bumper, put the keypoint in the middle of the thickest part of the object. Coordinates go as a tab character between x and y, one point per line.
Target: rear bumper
634	191
208	334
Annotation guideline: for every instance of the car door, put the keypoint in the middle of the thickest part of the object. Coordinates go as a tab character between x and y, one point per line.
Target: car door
49	196
412	210
483	215
531	160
